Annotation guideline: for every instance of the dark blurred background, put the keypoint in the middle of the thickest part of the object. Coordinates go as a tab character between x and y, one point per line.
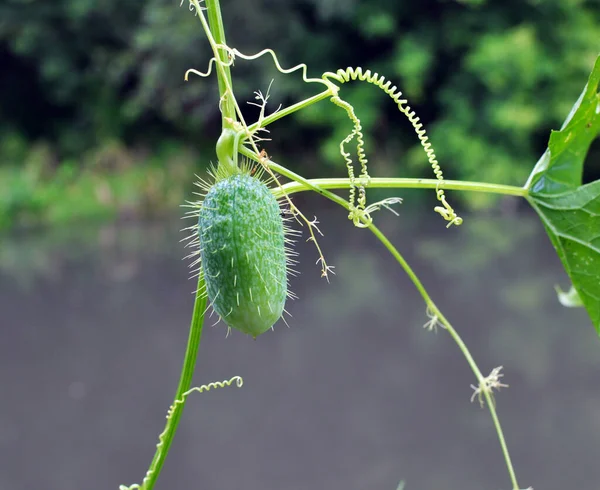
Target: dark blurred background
97	121
100	138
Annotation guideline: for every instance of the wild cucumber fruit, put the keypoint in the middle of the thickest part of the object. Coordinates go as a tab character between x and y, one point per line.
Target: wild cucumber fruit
243	254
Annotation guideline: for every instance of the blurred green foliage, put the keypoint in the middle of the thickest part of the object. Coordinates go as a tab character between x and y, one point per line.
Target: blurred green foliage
490	79
113	182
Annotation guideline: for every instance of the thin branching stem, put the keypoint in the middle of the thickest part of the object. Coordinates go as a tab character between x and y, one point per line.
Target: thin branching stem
461	345
428	301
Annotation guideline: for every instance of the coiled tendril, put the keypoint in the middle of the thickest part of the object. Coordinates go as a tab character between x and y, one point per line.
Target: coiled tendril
172	409
358	211
349	74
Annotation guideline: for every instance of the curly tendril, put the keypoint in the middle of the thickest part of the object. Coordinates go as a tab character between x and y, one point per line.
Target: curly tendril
350	74
243	130
356	207
233	53
192	7
239	382
176	406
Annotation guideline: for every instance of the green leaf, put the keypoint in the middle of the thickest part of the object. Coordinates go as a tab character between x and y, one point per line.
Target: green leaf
560	168
572	219
569	210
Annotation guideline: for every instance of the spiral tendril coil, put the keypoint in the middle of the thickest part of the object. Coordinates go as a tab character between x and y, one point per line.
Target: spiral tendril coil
172	409
350	74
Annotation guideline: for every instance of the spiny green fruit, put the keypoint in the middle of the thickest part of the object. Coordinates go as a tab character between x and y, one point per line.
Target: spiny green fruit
243	254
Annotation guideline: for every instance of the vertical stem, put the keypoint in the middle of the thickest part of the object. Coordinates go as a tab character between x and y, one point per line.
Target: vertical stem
185	381
215	22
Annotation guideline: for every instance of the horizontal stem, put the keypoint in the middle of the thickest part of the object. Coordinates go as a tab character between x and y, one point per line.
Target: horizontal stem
397	183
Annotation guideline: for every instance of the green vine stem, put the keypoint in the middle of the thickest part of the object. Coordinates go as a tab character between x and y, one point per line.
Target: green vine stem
185	382
461	345
409	183
217	30
308	185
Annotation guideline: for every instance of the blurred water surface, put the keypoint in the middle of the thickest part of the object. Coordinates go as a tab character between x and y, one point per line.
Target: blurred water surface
354	395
